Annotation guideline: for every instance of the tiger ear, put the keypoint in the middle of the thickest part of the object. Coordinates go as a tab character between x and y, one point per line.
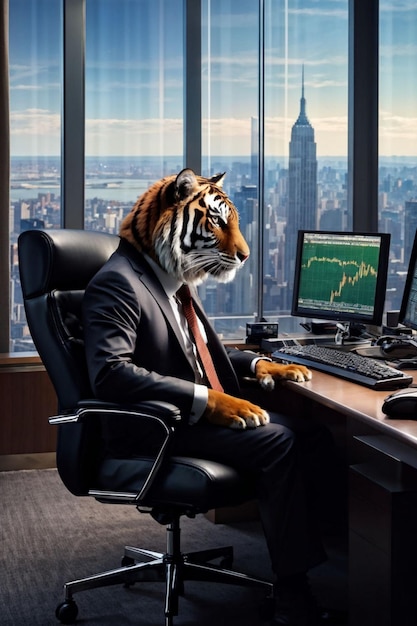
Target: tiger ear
185	184
218	179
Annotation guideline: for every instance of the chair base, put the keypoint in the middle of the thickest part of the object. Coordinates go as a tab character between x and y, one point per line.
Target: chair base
173	568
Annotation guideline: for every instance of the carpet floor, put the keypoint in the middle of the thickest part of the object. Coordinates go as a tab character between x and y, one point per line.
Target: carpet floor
48	537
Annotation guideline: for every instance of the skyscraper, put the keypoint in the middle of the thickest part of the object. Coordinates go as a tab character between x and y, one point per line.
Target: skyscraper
302	185
410	227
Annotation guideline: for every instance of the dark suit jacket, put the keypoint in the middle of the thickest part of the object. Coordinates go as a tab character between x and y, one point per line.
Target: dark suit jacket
133	345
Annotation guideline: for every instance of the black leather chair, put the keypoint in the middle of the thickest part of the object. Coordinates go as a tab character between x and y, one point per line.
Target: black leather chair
55	267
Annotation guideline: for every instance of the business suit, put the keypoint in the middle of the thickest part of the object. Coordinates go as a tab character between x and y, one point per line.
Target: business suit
135	351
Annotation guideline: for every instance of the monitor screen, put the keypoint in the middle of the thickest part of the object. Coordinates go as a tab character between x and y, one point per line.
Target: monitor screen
341	276
408	310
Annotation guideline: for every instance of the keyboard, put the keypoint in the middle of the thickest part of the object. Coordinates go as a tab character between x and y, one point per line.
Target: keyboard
354	367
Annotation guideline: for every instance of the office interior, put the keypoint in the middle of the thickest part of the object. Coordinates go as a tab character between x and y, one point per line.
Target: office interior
379	455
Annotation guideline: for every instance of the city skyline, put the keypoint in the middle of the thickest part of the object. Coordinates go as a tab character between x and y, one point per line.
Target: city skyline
104	209
36	203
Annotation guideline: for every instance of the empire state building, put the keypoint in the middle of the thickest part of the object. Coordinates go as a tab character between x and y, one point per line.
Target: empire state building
302	185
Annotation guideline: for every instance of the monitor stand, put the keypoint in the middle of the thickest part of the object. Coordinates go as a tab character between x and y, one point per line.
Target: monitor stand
350	333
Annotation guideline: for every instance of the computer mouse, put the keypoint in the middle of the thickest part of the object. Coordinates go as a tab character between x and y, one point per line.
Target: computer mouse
401	404
397	348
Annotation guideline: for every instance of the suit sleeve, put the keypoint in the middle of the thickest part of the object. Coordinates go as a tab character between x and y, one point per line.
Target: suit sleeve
241	361
112	322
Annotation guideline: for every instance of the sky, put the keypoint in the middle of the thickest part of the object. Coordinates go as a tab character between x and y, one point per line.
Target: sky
135	64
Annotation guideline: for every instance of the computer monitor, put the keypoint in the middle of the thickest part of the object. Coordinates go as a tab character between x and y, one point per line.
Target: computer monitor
408	309
341	276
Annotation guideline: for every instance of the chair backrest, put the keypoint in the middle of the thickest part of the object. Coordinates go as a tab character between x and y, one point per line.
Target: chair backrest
55	268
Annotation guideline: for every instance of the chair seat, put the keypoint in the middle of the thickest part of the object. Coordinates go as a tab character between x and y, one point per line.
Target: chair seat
195	484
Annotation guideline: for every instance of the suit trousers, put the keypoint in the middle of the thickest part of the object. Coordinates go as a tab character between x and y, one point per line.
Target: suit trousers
288	461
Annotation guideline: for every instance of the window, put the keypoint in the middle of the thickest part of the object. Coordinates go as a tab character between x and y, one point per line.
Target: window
273	74
305	137
35	57
397	185
261	64
134	103
230	82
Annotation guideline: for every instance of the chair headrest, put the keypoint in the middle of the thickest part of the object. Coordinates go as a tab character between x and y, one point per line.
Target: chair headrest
61	259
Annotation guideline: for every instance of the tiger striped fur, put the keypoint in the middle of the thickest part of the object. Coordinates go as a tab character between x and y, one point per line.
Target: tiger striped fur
189	226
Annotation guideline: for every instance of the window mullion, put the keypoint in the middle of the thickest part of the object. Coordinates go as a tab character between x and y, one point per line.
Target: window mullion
5	281
192	85
261	161
363	114
73	115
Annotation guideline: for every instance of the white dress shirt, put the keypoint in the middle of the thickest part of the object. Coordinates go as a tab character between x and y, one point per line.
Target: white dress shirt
171	286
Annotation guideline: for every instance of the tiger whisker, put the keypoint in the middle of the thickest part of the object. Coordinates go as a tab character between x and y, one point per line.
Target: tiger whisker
215	265
196	255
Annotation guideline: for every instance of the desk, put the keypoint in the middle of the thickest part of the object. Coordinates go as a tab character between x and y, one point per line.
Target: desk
382	457
357	403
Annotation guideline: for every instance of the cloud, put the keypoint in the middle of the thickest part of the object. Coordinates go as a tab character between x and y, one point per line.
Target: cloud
36	87
397	134
35	132
40	130
33	122
21	72
399	6
136	127
319	12
151	137
399	50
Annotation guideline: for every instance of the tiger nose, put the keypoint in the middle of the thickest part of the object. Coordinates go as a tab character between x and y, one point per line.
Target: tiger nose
242	257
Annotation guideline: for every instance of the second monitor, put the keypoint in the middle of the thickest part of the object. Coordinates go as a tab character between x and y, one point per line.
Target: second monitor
341	276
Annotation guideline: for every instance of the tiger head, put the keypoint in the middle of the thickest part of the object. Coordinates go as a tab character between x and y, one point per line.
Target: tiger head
189	226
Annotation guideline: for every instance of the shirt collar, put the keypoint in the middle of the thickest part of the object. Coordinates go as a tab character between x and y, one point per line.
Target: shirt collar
168	282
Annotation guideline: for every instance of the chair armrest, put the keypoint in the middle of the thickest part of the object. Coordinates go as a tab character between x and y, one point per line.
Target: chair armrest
156	408
165	415
151	408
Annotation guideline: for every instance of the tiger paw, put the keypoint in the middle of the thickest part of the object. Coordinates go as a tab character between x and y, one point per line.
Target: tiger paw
267	372
231	412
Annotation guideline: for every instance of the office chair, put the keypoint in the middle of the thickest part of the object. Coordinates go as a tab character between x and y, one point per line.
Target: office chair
55	268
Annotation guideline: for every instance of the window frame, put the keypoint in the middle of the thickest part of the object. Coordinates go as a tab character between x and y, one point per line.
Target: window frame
73	115
363	63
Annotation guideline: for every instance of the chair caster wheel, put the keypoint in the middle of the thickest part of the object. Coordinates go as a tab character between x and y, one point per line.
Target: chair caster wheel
67	612
127	561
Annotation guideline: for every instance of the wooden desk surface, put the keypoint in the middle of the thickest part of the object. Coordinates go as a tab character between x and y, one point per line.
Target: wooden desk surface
358	402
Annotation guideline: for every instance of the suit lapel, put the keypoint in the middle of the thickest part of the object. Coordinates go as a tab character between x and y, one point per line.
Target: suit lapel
149	279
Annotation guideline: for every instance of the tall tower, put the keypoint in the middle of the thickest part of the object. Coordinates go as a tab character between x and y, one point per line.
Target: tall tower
302	185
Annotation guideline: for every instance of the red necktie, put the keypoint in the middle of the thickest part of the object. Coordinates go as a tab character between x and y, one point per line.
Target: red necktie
184	296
